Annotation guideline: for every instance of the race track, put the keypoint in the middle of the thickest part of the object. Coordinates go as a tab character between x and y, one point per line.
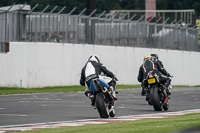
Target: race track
55	107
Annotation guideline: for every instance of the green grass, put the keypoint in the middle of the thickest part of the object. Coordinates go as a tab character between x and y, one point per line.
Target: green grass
15	90
12	90
162	125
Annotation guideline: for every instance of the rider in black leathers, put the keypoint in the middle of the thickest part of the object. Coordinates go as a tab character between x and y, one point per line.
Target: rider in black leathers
160	65
145	68
92	69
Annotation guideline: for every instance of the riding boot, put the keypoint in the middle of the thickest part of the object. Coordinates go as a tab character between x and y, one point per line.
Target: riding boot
113	93
144	91
167	89
92	100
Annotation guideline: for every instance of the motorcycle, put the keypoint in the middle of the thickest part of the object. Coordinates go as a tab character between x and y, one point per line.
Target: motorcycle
156	93
104	99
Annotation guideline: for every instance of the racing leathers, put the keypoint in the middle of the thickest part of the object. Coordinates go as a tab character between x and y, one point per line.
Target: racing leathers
160	67
92	70
150	66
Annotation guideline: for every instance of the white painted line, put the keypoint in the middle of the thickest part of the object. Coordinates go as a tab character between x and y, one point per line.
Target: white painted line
24	127
121	119
67	125
93	122
24	101
13	115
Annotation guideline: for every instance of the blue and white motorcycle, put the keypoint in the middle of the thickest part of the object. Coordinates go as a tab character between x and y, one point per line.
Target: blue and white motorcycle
104	96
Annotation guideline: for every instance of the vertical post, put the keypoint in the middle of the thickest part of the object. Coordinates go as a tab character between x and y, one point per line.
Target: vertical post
130	27
138	37
40	39
185	17
181	16
92	28
7	24
176	16
98	31
36	34
21	25
58	22
13	22
49	24
104	35
30	23
79	24
64	35
69	21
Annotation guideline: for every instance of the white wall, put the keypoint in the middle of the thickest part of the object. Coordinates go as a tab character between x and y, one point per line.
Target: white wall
56	64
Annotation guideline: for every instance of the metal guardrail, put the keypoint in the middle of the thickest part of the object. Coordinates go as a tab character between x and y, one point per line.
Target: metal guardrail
103	29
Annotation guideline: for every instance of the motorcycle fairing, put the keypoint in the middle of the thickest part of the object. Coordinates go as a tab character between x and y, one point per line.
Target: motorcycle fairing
102	83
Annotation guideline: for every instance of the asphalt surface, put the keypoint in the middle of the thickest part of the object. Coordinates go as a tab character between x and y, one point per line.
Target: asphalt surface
55	107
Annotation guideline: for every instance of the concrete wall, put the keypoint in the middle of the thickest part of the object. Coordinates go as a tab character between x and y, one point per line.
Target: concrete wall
56	64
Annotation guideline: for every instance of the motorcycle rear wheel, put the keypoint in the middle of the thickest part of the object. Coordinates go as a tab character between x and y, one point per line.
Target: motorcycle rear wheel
155	99
101	105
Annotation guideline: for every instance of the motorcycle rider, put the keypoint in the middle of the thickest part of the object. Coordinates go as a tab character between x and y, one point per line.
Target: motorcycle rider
150	66
160	65
92	69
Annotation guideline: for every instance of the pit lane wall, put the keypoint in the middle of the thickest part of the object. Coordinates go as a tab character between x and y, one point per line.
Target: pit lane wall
30	64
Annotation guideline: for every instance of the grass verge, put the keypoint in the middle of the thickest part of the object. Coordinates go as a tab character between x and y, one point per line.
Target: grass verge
12	90
15	90
162	125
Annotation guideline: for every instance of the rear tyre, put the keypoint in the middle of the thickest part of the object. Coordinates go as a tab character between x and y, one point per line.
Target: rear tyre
155	99
101	105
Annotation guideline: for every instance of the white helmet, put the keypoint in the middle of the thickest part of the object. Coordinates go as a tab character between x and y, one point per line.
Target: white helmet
95	58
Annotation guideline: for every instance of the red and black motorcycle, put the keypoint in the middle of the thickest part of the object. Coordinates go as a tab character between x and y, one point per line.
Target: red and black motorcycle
156	93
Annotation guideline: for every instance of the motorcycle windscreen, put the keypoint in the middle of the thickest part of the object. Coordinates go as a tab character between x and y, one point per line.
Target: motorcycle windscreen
103	84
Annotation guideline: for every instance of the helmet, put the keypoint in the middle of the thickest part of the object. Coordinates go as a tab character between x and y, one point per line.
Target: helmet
155	55
147	57
95	58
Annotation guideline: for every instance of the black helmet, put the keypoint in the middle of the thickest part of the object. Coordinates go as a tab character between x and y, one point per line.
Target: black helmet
155	55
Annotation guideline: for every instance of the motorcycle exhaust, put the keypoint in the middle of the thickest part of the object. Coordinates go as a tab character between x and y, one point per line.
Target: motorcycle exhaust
109	96
97	84
165	93
166	100
104	90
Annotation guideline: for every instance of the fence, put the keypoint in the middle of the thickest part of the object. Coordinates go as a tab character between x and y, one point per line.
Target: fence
103	29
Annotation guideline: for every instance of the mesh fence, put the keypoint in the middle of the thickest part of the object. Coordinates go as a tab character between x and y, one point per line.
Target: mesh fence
66	28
